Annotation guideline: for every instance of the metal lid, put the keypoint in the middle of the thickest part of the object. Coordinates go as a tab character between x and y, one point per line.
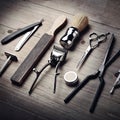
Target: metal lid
71	78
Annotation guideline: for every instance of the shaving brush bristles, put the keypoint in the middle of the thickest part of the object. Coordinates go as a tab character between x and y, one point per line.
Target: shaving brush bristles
80	22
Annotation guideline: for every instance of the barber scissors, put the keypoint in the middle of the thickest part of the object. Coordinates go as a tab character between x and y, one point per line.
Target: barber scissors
98	74
94	41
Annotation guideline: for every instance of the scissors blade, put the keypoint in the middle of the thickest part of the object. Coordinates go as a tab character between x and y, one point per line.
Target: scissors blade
25	39
104	64
84	57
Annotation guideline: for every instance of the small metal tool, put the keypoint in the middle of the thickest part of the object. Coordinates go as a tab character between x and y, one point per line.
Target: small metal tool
57	57
9	60
94	41
116	83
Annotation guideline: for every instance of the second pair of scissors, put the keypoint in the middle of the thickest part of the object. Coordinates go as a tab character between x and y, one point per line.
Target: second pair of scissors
94	41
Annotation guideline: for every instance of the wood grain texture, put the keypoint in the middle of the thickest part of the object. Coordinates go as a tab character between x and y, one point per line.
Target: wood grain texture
15	102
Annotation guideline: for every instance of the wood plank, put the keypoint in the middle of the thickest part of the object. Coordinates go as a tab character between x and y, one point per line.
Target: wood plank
103	11
43	104
15	113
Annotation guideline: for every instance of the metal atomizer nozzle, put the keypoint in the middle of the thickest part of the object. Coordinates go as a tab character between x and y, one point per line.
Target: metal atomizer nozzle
79	23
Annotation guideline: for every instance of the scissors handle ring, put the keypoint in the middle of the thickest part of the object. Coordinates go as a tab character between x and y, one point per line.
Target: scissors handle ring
93	35
95	39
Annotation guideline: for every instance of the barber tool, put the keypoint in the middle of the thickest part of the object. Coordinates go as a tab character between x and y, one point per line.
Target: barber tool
71	78
25	38
79	23
94	41
14	35
10	59
57	57
116	83
99	74
37	52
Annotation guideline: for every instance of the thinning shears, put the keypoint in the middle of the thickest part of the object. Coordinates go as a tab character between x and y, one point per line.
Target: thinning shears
99	73
94	41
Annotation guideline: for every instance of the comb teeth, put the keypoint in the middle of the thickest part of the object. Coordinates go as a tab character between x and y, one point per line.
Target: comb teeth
80	22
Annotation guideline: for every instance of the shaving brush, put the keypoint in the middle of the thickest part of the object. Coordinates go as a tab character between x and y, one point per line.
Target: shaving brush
79	23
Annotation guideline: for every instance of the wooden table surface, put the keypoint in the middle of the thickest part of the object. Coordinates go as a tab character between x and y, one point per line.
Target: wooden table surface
42	104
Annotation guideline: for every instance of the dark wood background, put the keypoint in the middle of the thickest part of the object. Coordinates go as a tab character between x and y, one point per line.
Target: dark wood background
15	102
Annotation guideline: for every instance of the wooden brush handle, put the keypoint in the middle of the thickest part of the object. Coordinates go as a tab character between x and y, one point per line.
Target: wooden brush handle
57	25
